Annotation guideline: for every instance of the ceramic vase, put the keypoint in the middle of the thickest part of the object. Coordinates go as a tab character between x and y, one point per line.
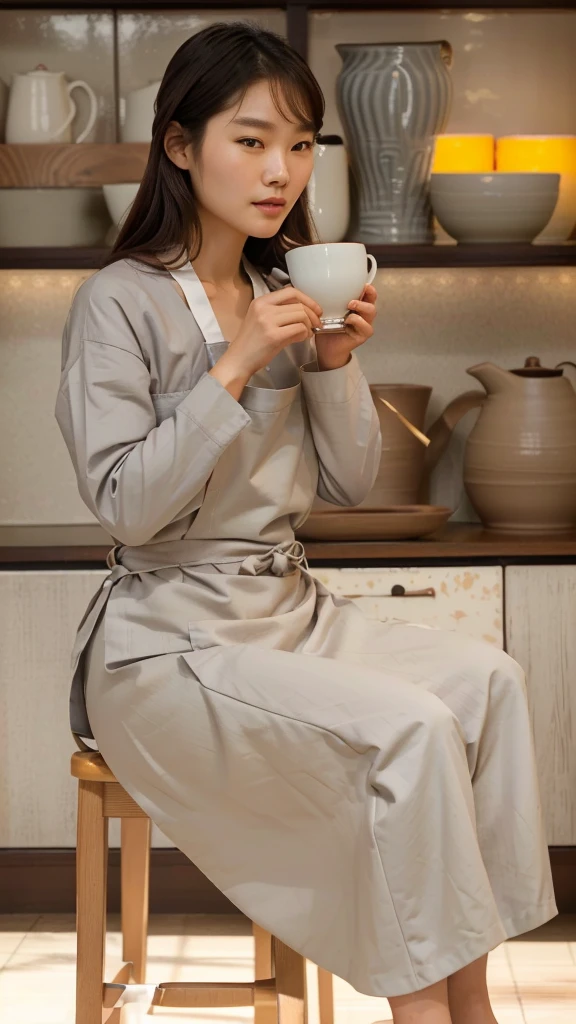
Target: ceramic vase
393	99
328	189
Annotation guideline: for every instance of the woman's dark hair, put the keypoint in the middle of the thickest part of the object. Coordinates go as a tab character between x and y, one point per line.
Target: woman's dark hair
206	75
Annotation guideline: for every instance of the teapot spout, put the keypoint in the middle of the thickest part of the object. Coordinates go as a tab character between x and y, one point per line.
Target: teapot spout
494	378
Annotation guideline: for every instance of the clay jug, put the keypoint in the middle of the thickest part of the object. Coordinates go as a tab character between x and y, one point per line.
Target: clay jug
520	457
402	464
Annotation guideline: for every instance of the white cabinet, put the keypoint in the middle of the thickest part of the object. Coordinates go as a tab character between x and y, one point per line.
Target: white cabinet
541	636
40	611
467	600
39	614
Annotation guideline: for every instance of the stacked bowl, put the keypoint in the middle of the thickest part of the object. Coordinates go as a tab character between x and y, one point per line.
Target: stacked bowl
495	207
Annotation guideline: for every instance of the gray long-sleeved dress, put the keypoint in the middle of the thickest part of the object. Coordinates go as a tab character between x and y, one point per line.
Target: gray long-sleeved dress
366	791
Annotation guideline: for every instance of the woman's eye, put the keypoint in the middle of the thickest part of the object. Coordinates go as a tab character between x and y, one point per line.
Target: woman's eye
309	145
249	141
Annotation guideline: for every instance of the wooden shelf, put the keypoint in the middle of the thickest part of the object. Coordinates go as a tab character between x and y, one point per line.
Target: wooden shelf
463	542
58	258
342	5
488	255
68	165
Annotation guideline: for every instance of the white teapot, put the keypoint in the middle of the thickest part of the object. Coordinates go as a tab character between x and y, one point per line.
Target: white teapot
139	113
41	109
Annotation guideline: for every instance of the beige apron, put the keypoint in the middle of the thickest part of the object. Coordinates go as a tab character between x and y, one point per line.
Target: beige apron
366	791
256	513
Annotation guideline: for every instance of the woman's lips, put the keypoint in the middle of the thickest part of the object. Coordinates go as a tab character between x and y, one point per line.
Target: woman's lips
270	208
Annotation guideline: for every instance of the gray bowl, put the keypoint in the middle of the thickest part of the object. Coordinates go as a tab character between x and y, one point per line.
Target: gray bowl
495	207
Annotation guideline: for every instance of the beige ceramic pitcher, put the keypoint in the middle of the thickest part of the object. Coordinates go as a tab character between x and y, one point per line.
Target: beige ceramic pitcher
520	458
41	108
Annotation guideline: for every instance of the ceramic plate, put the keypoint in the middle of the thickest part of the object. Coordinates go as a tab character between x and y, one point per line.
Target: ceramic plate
399	522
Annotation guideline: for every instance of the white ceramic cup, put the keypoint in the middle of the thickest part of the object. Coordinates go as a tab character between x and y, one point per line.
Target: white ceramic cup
332	273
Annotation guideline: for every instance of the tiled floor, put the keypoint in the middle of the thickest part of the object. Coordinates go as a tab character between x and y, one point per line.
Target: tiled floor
532	979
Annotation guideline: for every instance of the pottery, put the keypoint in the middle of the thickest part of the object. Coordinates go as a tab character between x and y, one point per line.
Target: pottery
465	153
119	199
520	457
397	523
139	113
402	462
393	99
556	153
53	217
41	108
332	274
497	207
4	94
328	189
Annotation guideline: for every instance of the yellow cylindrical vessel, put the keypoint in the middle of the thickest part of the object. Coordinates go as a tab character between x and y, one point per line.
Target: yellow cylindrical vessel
463	153
556	153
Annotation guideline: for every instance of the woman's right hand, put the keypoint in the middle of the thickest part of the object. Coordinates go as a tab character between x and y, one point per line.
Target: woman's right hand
272	322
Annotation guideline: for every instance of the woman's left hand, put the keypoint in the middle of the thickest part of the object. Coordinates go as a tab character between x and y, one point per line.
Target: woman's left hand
334	351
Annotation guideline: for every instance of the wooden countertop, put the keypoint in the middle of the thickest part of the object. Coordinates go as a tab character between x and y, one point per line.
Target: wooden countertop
456	541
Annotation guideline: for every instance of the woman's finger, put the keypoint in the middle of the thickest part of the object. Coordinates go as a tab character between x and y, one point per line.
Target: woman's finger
290	294
369	294
365	309
358	328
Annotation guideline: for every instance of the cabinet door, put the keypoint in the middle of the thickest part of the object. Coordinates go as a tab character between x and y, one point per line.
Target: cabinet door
467	600
39	615
541	636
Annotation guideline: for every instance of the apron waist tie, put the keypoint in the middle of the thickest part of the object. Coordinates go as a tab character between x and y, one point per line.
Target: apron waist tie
280	560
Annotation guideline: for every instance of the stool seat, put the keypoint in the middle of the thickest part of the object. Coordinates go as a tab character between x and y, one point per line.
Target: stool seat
91	767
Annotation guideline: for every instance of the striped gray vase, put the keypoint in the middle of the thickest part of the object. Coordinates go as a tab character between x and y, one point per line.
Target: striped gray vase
393	99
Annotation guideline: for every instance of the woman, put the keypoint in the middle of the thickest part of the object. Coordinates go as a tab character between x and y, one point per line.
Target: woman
366	791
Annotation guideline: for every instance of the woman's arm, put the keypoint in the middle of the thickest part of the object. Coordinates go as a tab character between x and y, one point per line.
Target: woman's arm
346	431
135	476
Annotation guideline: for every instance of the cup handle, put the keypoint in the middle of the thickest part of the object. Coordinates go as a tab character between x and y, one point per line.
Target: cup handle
78	84
373	268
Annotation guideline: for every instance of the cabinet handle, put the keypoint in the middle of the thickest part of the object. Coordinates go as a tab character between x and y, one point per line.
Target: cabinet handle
399	591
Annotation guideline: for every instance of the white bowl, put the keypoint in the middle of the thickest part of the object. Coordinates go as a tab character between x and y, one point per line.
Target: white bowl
495	207
52	217
119	199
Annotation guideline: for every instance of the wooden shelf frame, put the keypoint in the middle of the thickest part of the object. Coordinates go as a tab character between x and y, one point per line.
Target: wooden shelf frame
387	256
335	5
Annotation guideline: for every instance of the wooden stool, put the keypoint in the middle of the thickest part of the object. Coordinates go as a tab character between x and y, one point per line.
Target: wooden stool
278	992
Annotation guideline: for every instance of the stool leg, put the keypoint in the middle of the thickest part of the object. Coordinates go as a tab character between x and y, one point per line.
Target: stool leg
262	953
134	889
265	1008
290	970
326	996
91	865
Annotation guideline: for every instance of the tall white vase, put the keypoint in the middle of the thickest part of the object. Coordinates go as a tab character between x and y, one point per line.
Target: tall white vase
393	98
328	189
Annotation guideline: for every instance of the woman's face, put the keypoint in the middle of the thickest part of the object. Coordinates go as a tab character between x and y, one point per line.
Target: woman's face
252	153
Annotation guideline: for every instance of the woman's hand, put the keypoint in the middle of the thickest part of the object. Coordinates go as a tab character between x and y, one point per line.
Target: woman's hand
334	350
272	322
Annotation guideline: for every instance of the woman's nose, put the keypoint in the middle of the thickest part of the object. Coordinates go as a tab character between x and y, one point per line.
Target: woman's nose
276	173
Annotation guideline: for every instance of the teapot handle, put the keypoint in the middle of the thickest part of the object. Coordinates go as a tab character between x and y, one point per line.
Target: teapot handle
441	432
78	84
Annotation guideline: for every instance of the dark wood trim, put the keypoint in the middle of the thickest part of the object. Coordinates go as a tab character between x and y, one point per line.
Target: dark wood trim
43	882
29	547
439	256
53	258
297	27
487	255
338	5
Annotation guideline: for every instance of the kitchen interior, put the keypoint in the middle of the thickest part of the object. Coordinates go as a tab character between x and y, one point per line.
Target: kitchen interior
470	526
